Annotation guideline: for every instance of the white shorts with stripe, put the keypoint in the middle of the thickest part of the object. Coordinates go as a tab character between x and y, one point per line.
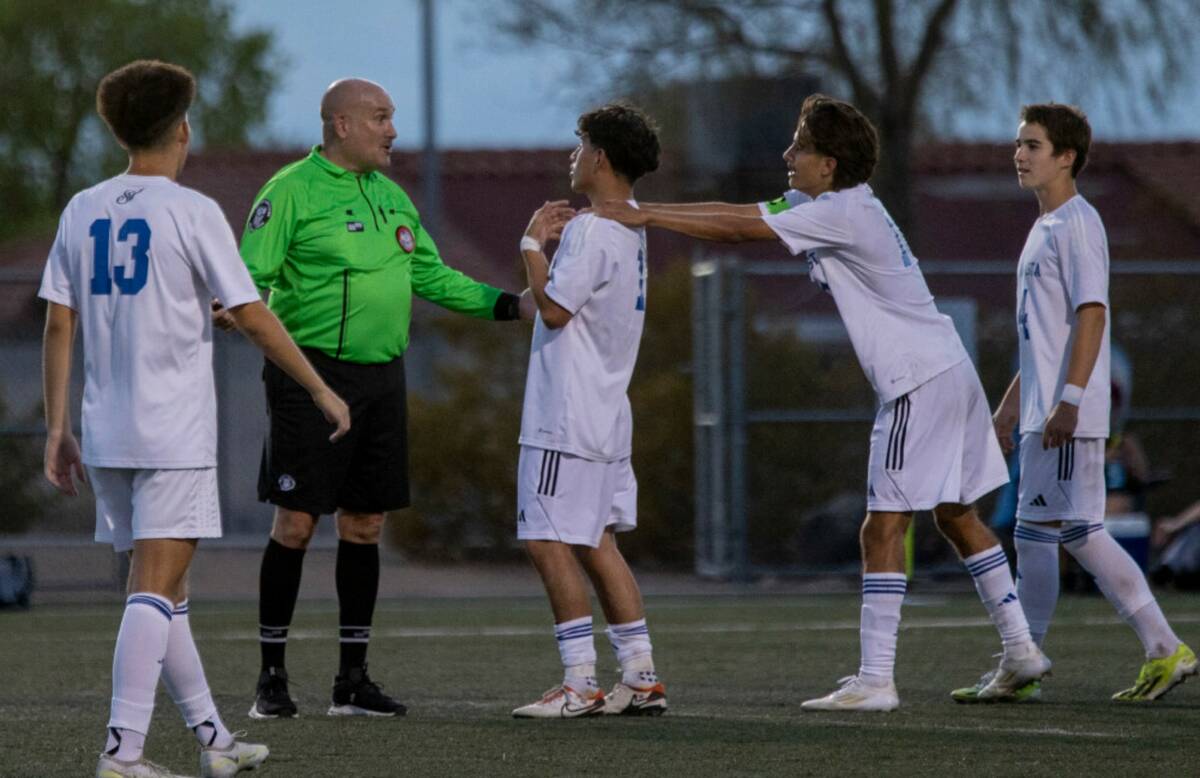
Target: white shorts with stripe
573	500
135	504
1061	484
935	445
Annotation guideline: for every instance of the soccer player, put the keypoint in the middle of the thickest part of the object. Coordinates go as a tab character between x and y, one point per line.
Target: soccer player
575	485
1061	399
932	446
342	250
136	263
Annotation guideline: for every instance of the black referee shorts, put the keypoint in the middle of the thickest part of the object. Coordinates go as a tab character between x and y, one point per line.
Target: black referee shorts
366	471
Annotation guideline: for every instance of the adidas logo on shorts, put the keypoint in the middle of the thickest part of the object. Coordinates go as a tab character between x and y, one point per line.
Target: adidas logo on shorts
1038	502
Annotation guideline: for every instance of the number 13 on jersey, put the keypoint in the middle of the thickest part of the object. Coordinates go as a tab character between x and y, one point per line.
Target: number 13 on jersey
104	274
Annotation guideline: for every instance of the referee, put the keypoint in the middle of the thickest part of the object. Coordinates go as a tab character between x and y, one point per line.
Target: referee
341	249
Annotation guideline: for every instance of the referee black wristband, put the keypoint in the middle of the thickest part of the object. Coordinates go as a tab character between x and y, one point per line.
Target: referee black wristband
507	307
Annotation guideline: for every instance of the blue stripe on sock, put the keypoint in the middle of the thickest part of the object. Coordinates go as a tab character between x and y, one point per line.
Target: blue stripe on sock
1038	536
153	602
584	630
988	562
1078	533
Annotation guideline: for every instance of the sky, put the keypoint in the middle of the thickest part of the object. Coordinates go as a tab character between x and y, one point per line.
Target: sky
492	92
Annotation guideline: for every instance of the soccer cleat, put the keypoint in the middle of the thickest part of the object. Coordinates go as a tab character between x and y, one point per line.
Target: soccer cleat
854	694
625	700
970	694
111	767
271	698
563	702
1159	676
355	694
224	762
1017	669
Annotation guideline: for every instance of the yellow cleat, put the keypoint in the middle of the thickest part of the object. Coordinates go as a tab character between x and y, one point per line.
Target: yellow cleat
1159	676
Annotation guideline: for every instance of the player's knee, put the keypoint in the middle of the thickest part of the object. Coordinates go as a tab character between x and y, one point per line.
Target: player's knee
878	529
293	529
360	527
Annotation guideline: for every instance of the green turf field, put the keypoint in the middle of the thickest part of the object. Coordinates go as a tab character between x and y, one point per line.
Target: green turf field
736	669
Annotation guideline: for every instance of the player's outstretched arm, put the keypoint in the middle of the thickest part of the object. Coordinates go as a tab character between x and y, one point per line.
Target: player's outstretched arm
258	324
546	224
63	462
1085	348
729	209
1008	415
719	227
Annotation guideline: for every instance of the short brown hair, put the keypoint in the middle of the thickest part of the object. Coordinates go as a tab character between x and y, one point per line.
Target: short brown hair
839	130
1066	126
141	101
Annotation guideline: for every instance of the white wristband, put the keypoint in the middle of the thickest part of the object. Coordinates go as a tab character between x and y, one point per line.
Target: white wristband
1072	394
530	243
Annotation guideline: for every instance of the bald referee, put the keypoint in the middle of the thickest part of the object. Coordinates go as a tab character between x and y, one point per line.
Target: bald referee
341	250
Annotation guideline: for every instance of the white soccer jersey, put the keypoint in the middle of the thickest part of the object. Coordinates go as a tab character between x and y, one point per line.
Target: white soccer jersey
857	254
789	199
140	258
1064	265
575	393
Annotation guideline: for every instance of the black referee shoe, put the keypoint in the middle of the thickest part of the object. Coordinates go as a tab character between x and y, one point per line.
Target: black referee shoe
355	694
272	700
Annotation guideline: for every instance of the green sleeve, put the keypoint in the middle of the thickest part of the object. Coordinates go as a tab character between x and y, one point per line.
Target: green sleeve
778	205
268	232
433	280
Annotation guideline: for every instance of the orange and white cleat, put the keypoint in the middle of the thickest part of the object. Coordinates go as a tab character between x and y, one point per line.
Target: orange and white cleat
563	702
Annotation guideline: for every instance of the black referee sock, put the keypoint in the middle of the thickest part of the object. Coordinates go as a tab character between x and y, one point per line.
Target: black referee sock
357	586
278	586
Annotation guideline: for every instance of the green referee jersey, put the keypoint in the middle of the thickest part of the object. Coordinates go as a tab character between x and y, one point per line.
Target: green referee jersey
342	255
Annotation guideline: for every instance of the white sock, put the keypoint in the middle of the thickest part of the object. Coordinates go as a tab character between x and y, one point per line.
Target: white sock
631	643
578	652
183	675
882	596
137	663
993	581
125	744
1122	582
1037	574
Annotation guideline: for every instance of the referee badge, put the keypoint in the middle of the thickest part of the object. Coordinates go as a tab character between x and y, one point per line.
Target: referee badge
261	214
404	237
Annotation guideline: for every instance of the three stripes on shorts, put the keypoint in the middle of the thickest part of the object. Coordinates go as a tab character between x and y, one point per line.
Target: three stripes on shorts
548	479
895	447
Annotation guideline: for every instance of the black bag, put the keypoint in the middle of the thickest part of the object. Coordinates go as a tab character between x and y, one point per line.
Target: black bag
16	581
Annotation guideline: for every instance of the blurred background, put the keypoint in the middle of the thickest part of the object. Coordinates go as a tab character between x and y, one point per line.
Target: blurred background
751	413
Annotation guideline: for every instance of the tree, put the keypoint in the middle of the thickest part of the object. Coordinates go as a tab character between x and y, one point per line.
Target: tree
53	54
912	66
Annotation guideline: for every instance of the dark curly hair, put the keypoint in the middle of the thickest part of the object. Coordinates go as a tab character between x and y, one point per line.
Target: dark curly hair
140	102
628	137
839	130
1066	126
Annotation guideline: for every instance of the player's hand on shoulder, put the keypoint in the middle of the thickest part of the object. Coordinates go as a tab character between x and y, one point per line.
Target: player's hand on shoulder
335	410
622	212
222	318
1005	423
1060	426
64	463
548	222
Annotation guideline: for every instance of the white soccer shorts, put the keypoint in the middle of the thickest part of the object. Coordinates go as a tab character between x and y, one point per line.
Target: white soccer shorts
935	445
138	504
1061	484
573	500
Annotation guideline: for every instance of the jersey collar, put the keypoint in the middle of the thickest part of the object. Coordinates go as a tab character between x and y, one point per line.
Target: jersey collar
322	162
